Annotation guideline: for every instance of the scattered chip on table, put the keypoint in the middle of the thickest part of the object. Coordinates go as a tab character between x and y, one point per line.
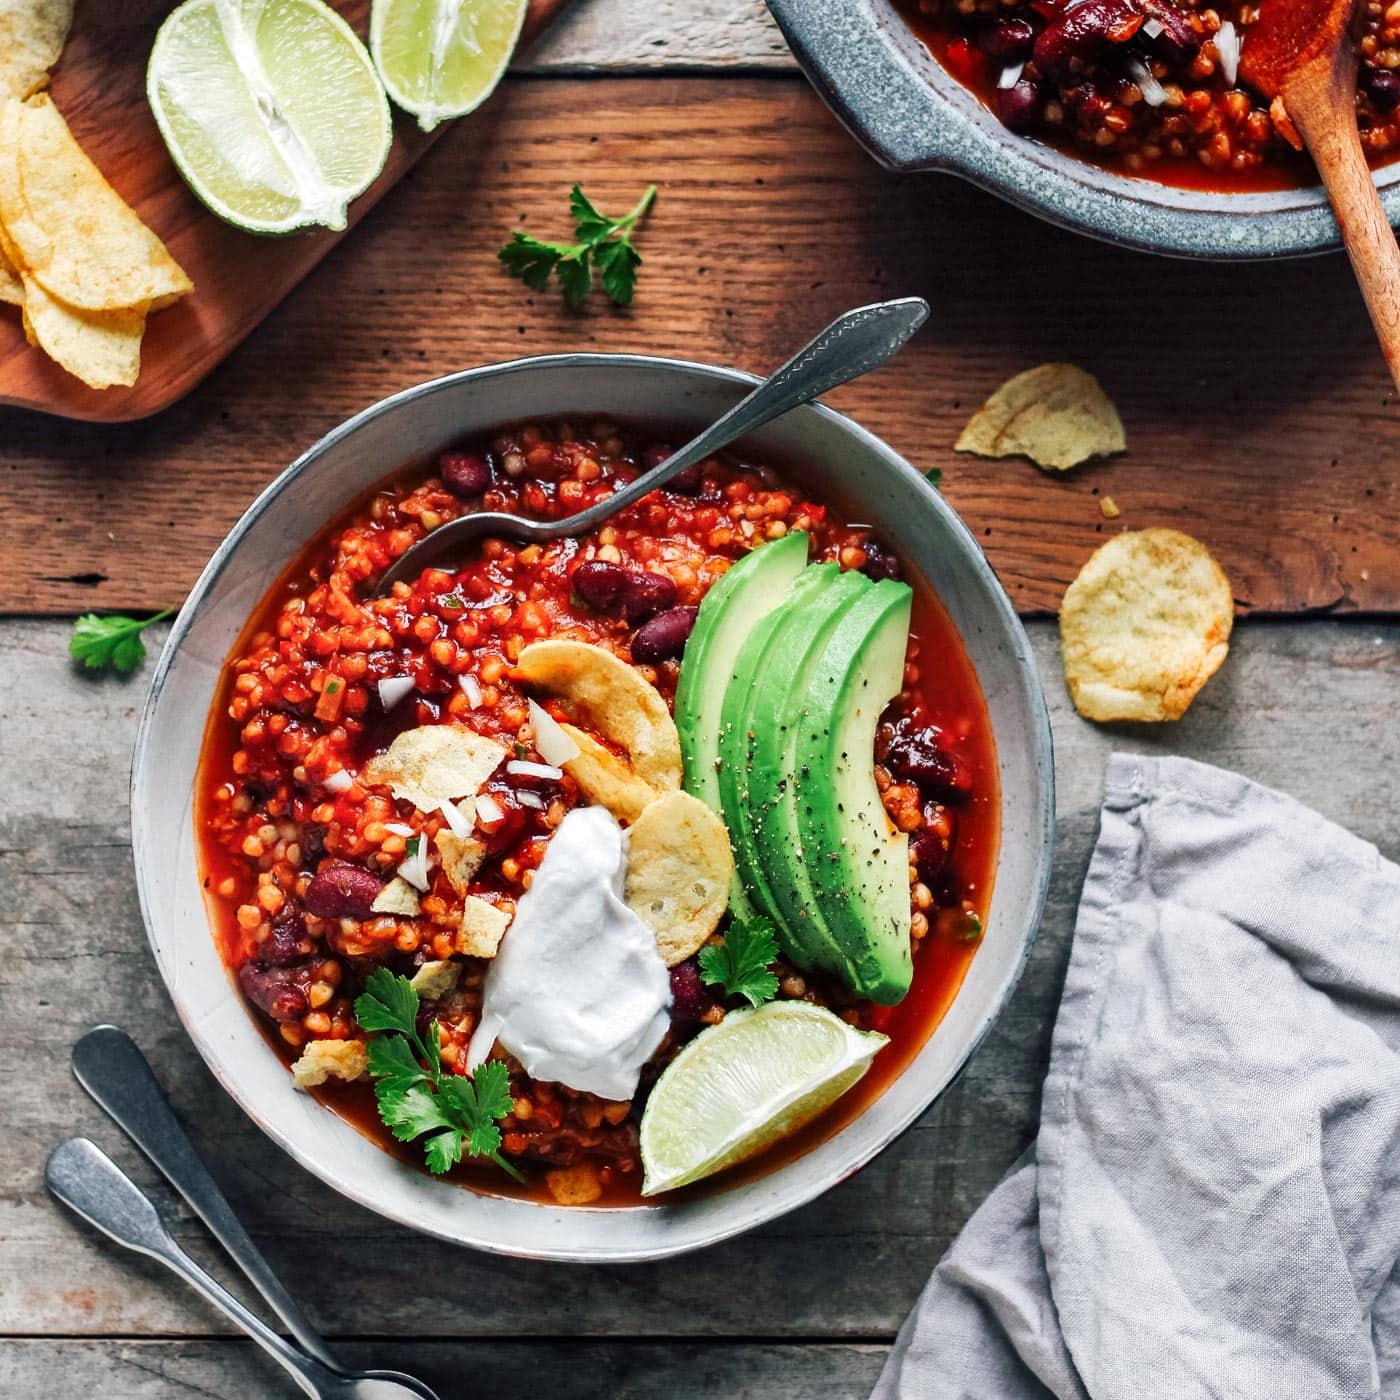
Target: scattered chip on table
1144	626
1057	415
679	866
32	35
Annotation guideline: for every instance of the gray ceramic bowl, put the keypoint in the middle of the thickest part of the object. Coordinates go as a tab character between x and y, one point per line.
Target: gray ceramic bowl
912	115
841	460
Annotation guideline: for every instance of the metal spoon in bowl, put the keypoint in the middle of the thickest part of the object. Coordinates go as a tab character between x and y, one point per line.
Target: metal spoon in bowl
852	345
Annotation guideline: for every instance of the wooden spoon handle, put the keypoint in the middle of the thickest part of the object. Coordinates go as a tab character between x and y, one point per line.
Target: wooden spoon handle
1370	243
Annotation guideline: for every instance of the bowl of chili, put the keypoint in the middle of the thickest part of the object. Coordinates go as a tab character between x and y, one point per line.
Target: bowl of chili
1122	119
313	534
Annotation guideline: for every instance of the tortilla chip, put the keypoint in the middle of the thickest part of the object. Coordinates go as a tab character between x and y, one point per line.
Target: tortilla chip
11	288
435	763
679	866
1144	626
1057	415
614	699
397	897
324	1059
605	780
102	348
461	858
434	980
70	230
32	34
482	928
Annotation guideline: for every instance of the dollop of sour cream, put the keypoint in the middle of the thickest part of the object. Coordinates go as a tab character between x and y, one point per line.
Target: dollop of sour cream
578	993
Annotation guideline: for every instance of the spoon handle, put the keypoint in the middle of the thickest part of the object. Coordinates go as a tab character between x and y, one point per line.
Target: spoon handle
1335	147
111	1067
852	345
86	1180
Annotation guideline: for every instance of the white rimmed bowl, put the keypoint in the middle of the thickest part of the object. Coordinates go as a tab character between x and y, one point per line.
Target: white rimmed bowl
841	461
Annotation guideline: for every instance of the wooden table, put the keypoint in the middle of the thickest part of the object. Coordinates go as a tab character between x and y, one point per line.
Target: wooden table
807	1306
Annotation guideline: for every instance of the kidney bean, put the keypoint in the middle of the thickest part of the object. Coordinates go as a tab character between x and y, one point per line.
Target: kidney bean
1382	87
1008	40
684	483
286	942
690	999
932	854
1177	41
275	990
915	754
1075	37
879	562
464	473
664	636
1019	106
631	594
342	891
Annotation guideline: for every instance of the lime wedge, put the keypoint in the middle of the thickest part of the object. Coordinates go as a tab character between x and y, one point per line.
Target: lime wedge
443	58
271	109
743	1084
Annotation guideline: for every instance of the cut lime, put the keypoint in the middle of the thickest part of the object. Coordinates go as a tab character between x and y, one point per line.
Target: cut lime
443	58
271	109
743	1084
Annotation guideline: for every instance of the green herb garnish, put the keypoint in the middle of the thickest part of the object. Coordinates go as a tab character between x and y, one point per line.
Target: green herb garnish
415	1095
934	477
741	963
971	929
604	245
113	640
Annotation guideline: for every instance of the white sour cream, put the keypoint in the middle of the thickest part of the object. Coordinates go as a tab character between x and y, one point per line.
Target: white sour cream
578	993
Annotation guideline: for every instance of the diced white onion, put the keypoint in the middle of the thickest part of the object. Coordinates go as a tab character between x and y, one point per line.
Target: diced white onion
523	768
1227	45
339	782
530	799
1010	76
488	810
459	825
471	688
400	828
1153	29
392	689
550	739
415	868
1153	93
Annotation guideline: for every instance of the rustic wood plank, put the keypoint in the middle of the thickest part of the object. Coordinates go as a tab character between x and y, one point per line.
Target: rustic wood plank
846	1267
1255	400
642	36
150	1370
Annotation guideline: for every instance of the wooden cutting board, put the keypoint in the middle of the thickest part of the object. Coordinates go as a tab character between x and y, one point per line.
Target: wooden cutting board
100	87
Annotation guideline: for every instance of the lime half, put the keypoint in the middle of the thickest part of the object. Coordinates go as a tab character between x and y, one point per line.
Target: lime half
271	109
443	58
743	1084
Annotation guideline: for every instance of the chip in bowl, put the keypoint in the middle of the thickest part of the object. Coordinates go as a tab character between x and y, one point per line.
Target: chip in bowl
1144	626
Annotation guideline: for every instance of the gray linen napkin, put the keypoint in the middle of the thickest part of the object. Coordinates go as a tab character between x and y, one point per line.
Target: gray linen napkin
1212	1207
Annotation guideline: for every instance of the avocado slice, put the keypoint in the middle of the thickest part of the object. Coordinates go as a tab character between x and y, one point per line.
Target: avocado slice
857	860
773	720
750	892
747	593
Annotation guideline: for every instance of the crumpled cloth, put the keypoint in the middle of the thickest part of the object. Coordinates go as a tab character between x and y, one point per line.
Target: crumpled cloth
1212	1206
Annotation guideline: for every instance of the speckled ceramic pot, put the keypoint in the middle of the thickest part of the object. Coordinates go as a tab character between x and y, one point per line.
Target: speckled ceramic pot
837	459
912	115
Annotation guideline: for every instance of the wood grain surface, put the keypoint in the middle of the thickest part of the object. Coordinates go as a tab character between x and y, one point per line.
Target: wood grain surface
100	87
799	1310
1256	402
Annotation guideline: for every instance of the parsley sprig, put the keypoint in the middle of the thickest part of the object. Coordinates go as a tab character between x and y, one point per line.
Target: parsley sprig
113	640
415	1095
603	244
741	963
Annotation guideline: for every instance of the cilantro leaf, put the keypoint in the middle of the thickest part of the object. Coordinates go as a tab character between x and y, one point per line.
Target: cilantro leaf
415	1095
388	1003
603	245
934	477
114	640
741	963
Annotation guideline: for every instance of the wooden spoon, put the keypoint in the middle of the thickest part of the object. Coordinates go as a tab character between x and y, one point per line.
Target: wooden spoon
1303	52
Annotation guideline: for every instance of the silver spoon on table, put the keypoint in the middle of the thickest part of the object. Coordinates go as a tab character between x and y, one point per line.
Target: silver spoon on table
111	1067
89	1182
850	346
